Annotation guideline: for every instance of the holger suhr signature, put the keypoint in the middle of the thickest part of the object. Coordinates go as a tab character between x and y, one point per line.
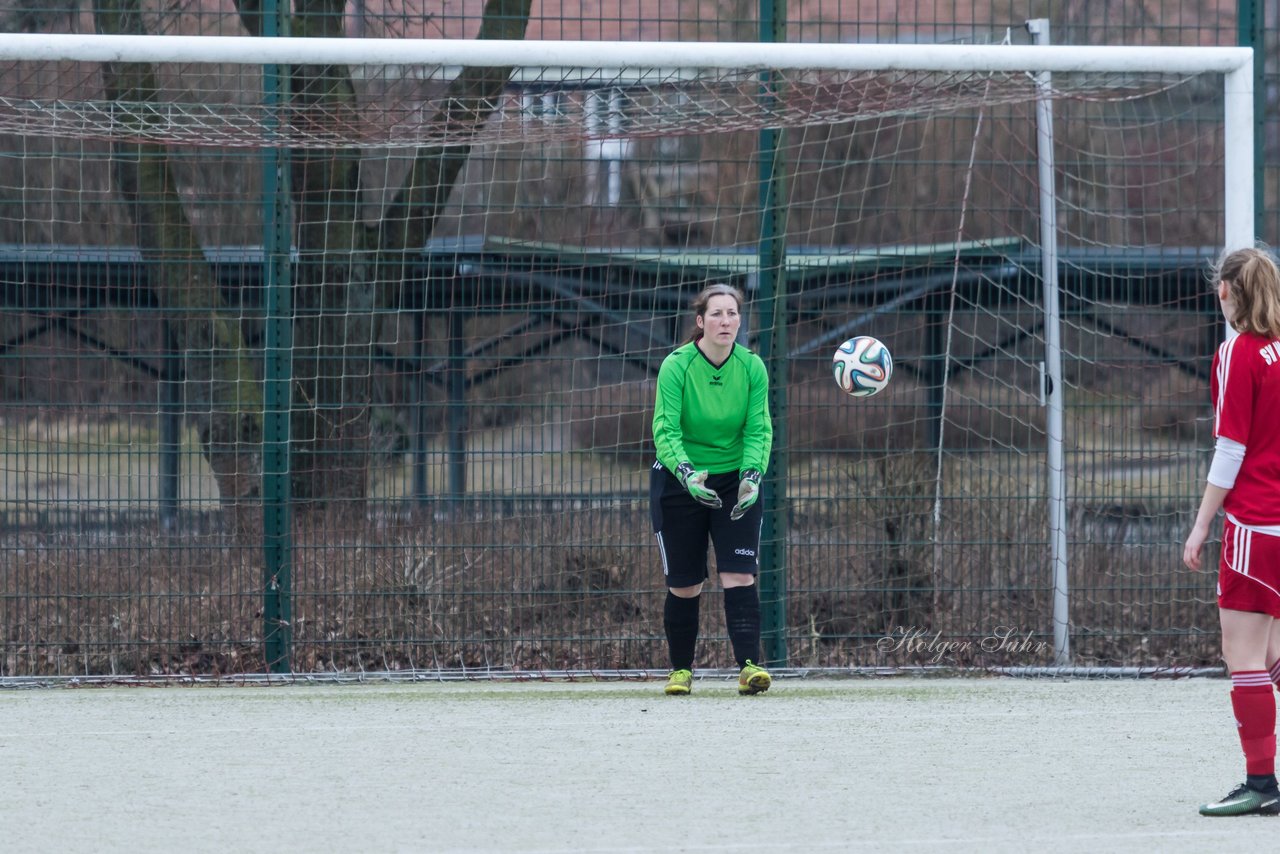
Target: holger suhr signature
932	646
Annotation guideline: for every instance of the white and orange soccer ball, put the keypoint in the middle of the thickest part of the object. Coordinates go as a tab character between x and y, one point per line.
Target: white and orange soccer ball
862	366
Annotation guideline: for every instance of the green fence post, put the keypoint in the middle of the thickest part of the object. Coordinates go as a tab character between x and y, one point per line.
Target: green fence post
1251	32
277	252
772	301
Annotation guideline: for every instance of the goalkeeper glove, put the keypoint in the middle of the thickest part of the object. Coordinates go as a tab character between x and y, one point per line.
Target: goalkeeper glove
748	492
695	483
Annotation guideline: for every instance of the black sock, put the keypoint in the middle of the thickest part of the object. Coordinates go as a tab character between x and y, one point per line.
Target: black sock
680	619
742	618
1261	782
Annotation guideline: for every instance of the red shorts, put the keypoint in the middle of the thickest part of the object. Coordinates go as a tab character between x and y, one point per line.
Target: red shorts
1249	571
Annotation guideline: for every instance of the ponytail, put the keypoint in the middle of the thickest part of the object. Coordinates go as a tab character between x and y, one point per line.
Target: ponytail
1253	280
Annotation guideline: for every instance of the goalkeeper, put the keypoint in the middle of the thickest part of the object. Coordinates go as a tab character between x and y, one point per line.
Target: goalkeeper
713	435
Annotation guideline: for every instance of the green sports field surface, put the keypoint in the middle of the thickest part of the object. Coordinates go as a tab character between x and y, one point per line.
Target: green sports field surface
895	764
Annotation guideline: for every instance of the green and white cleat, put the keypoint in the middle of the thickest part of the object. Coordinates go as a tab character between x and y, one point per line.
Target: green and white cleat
754	679
1245	801
679	683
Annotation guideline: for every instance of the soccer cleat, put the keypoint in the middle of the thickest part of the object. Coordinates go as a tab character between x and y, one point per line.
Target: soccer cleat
1245	801
754	680
679	683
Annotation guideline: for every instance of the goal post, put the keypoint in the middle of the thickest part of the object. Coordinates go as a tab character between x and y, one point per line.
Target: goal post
641	54
666	61
488	274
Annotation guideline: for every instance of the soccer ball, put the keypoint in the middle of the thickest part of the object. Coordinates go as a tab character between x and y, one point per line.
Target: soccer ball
862	366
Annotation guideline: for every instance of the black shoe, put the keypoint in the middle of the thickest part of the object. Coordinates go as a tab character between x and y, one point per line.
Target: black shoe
1245	801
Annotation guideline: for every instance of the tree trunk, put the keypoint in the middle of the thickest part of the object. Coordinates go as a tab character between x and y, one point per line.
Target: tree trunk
472	97
333	296
223	398
342	262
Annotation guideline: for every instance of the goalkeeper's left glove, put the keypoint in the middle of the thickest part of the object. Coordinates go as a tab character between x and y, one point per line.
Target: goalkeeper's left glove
748	492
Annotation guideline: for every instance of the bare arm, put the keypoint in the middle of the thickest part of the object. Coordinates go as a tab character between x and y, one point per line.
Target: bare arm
1209	507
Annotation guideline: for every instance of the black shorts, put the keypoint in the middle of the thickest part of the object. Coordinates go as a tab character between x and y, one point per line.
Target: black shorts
683	527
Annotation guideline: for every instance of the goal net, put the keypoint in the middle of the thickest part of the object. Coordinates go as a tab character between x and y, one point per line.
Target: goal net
368	331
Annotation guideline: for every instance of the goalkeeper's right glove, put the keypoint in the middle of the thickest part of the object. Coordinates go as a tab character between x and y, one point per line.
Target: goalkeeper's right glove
695	483
748	492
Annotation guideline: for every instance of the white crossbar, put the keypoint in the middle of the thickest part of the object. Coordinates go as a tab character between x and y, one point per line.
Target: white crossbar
596	54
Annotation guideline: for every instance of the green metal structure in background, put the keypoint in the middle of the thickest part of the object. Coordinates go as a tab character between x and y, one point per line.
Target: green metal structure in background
772	304
277	275
506	525
1253	33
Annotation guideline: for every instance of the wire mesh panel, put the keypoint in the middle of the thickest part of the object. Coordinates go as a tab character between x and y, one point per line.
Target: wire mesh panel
946	486
485	276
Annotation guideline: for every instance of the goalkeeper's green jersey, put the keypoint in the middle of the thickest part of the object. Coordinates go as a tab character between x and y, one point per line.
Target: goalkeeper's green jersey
716	418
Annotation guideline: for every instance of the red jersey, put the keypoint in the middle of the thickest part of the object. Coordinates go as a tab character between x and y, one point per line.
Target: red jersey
1246	406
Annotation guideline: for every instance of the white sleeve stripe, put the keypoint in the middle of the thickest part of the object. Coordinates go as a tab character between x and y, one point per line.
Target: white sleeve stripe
1224	371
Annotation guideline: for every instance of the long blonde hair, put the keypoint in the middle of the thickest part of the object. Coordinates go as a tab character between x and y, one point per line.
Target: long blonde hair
1253	281
720	289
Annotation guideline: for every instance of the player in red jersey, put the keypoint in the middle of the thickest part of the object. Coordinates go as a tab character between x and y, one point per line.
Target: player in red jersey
1244	481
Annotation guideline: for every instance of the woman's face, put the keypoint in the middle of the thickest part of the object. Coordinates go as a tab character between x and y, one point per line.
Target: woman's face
720	322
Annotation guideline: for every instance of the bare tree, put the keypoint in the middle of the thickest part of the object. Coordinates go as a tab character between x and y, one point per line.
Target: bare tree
224	398
346	267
